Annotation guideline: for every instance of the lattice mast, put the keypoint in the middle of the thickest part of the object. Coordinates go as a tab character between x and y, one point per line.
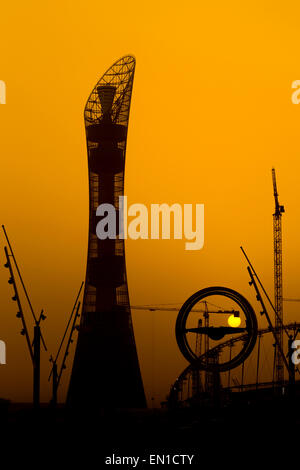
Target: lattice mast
277	235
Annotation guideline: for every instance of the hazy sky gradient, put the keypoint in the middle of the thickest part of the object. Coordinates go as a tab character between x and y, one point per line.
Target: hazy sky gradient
211	114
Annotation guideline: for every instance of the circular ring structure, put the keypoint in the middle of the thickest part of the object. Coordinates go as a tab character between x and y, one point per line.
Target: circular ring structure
251	329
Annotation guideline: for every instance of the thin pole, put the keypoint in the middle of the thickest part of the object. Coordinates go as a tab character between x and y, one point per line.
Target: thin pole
23	285
68	324
230	351
68	344
54	385
264	291
258	357
36	366
242	381
292	366
206	345
20	312
21	279
264	312
274	364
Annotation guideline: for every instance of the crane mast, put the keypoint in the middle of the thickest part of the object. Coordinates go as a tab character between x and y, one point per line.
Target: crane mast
277	235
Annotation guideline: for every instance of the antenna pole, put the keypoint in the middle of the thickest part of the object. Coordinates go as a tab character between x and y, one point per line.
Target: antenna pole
264	312
19	274
23	285
63	366
36	366
263	289
67	327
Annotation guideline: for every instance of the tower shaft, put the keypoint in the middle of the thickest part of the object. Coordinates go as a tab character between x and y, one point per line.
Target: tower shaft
106	371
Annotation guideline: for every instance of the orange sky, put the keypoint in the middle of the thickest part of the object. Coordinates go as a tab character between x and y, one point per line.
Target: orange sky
211	114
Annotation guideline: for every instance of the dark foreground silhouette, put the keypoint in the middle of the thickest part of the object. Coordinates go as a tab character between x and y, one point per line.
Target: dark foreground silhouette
66	437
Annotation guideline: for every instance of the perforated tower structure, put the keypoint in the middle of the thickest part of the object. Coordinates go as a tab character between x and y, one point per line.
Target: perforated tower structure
106	370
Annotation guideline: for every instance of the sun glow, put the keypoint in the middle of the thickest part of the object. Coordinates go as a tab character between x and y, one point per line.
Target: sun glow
233	321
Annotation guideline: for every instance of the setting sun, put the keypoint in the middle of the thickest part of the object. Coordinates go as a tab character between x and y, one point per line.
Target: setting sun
233	321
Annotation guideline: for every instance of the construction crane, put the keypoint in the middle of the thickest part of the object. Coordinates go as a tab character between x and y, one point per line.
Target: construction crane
277	235
154	308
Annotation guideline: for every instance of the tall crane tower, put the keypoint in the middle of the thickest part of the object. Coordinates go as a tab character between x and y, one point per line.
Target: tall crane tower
277	234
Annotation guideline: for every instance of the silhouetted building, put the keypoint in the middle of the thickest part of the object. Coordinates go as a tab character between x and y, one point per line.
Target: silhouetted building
106	370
